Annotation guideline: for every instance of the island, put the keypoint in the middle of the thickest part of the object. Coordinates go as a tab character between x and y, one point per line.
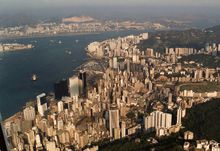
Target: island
14	47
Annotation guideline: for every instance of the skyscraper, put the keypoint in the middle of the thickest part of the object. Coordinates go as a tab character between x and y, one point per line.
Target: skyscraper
82	83
29	113
179	116
149	52
115	62
41	103
61	89
113	119
158	119
74	86
128	66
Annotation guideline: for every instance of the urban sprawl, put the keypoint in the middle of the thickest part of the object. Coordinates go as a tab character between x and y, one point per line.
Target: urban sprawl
121	91
79	25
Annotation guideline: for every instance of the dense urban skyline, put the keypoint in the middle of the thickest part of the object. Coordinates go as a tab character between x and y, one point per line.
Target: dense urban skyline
98	75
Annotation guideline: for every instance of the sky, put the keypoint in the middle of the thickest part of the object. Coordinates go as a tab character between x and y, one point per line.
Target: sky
113	9
19	4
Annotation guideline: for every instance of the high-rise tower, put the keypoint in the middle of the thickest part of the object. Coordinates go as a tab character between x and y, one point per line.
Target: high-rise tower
113	120
82	83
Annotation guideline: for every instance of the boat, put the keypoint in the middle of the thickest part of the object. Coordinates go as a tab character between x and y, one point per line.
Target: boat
52	41
33	41
34	77
60	42
69	52
77	40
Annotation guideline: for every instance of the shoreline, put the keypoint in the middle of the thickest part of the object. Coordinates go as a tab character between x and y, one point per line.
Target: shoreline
87	60
74	33
60	35
48	35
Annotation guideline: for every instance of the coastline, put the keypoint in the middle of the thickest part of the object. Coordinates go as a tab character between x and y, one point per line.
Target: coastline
48	35
62	34
89	58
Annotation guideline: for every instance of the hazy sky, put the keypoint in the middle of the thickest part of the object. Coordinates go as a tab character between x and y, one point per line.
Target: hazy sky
108	8
12	4
105	9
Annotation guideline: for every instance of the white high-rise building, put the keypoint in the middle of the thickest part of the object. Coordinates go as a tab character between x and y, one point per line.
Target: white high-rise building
123	129
38	142
51	146
60	124
150	86
29	113
156	120
145	36
41	104
60	106
113	119
115	63
180	114
74	86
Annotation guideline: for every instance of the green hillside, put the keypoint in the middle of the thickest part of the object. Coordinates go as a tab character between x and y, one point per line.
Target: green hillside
204	120
194	38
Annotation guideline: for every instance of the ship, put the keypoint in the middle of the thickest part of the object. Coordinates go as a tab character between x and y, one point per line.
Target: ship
52	41
69	52
60	42
34	77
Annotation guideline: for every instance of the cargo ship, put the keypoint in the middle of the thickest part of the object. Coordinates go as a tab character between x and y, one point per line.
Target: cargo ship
34	77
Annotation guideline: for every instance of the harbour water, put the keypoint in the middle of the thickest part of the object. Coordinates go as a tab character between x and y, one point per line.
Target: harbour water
50	59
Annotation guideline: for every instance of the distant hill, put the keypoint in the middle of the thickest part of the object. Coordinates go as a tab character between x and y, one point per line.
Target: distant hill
204	120
216	31
194	38
214	28
76	19
207	61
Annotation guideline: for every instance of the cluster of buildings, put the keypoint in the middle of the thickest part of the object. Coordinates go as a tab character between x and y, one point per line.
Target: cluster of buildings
14	46
138	92
212	48
207	145
91	26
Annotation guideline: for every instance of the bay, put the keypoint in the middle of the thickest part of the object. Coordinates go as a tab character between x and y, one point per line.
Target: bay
49	59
